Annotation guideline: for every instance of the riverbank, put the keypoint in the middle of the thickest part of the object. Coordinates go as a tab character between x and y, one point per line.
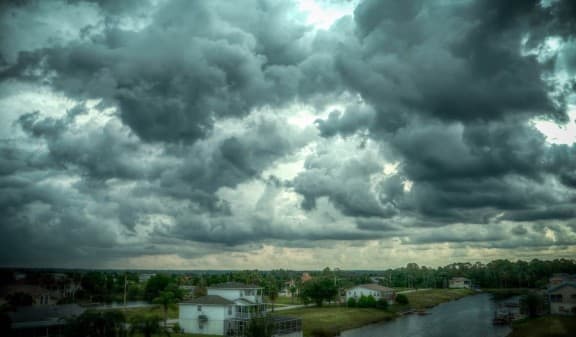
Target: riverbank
428	298
330	320
504	293
557	326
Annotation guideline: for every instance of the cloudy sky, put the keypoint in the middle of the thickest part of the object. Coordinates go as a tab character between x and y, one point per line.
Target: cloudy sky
276	134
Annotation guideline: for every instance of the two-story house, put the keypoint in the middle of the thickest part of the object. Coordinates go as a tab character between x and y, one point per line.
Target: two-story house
562	298
228	308
459	282
374	290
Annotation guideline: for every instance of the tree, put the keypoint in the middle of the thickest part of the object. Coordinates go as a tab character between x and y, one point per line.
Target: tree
165	299
272	295
260	327
109	323
532	304
402	299
293	290
19	299
5	324
147	326
155	285
319	290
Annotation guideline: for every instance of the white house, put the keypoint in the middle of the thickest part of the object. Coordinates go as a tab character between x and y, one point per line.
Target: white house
227	310
374	290
459	282
562	298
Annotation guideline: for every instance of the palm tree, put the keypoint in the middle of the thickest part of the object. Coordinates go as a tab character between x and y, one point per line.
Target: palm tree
165	299
110	323
147	326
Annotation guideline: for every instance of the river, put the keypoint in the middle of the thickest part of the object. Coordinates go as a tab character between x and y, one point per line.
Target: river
470	316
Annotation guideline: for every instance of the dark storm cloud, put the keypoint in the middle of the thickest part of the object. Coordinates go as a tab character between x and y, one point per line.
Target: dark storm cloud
345	183
452	100
194	100
196	61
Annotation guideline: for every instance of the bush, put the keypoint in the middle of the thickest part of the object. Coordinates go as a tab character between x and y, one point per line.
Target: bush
382	304
366	302
176	328
352	302
401	299
325	332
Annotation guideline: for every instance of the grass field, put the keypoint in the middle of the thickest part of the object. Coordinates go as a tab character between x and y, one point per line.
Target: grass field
335	318
547	326
429	298
285	300
331	319
156	310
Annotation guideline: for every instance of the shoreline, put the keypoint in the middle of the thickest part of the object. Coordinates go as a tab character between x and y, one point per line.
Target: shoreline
333	320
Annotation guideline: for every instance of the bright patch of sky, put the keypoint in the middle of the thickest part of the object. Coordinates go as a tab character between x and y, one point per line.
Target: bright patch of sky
558	133
323	13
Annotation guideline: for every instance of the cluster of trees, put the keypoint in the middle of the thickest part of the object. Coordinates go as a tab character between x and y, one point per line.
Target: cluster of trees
367	302
495	274
113	323
318	290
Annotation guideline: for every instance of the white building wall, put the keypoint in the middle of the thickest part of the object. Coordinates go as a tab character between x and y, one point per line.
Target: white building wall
292	334
234	294
459	284
188	318
357	292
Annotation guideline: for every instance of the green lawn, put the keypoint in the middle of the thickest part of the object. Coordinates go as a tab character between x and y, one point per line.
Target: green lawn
547	326
335	318
432	297
287	300
156	310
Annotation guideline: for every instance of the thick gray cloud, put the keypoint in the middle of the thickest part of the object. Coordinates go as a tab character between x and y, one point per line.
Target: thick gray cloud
191	129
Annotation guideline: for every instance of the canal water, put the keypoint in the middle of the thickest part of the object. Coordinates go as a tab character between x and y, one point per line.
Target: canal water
467	317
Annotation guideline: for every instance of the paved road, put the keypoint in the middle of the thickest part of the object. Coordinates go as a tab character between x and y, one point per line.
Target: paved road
411	291
288	307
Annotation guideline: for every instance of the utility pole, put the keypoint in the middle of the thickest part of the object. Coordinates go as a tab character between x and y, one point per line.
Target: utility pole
125	285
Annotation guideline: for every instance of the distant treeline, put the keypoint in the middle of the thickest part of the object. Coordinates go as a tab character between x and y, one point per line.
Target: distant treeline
107	286
495	274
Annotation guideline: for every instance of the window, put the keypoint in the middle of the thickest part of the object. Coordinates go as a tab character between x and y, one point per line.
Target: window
556	298
229	310
199	308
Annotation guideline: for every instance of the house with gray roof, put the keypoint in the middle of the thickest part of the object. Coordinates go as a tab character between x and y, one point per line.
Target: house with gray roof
42	320
562	298
375	290
227	310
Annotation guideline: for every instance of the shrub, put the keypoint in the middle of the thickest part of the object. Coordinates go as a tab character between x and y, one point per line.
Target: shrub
382	304
352	302
366	302
401	299
176	328
325	332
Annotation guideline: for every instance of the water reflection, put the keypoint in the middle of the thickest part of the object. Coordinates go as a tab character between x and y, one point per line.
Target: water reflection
468	317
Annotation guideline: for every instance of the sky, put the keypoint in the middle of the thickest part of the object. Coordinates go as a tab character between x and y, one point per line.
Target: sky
266	134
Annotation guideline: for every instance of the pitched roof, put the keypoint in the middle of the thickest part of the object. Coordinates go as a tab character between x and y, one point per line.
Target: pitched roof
234	285
32	290
243	301
373	286
209	299
562	285
44	315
